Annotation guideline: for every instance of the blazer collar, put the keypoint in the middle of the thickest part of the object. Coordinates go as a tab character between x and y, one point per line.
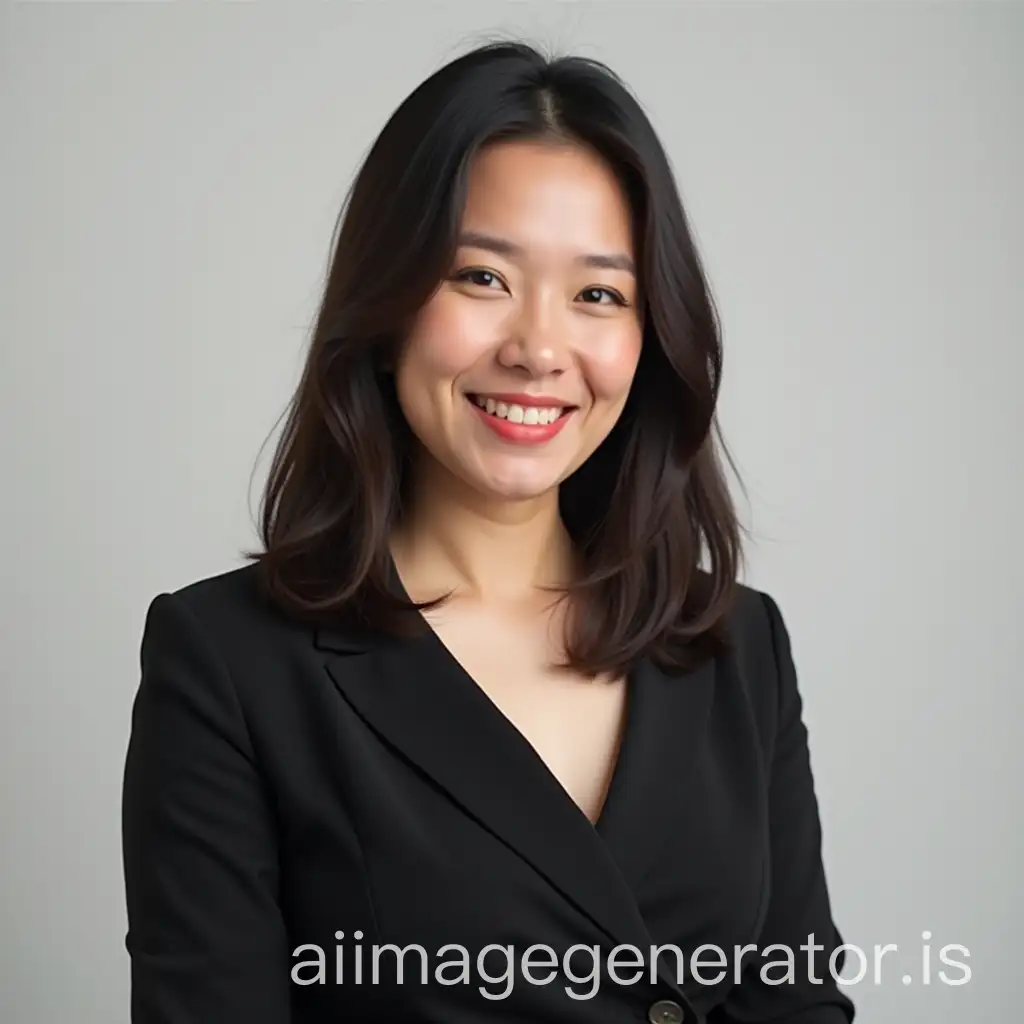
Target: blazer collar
415	694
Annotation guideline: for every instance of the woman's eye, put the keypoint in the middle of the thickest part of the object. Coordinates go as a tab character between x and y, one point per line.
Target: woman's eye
483	278
592	296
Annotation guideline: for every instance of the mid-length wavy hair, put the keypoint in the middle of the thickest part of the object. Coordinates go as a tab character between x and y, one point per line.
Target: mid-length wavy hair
649	512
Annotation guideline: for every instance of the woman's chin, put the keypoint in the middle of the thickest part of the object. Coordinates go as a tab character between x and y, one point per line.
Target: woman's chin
516	486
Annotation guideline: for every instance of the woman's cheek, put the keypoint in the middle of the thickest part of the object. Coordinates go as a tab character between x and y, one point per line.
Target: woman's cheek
452	333
611	361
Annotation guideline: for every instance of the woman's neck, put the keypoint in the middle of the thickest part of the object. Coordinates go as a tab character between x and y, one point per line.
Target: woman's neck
455	539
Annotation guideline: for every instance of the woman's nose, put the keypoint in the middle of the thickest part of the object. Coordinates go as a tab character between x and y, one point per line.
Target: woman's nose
536	342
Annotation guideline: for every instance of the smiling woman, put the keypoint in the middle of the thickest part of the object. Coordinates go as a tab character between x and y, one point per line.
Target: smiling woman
539	315
491	681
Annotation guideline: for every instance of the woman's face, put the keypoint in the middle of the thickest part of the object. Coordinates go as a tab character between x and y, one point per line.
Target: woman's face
521	362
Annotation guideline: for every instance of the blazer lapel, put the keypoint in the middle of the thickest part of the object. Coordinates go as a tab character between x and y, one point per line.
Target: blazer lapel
668	720
415	694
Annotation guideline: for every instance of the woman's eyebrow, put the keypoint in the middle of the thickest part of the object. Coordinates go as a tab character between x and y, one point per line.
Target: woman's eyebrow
503	247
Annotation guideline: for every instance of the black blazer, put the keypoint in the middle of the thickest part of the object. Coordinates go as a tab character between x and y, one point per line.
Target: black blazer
284	784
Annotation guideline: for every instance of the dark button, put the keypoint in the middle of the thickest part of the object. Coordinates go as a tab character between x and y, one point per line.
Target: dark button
665	1011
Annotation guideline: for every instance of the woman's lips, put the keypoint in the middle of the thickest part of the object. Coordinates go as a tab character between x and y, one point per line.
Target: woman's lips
521	433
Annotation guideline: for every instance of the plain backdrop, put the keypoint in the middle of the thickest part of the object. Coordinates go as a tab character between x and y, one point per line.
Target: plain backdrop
172	173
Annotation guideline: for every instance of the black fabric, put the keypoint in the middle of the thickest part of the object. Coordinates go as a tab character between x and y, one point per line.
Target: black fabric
285	783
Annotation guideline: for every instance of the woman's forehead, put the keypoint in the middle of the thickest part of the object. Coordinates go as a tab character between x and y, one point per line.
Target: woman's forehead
526	199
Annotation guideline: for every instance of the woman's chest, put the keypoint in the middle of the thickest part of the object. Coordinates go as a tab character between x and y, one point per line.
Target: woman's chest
423	814
573	724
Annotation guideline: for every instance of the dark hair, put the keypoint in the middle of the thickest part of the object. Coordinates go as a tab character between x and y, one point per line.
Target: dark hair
646	507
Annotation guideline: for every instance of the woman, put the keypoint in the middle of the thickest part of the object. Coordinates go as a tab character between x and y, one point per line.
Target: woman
488	716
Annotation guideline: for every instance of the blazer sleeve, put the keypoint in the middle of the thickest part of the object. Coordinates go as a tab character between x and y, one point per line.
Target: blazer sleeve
205	934
799	905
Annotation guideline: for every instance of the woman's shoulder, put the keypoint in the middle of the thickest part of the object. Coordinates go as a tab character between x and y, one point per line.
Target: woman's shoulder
745	612
237	590
754	618
761	655
229	610
220	640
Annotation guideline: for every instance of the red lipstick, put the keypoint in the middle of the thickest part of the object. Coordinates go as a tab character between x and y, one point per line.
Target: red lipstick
523	433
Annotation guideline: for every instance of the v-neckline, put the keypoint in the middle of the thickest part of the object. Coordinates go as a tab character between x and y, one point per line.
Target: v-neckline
616	786
409	692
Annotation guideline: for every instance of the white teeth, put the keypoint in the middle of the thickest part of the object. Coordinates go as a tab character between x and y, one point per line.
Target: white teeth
531	415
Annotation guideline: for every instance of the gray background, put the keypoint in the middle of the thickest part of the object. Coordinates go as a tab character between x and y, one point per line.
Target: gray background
172	175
